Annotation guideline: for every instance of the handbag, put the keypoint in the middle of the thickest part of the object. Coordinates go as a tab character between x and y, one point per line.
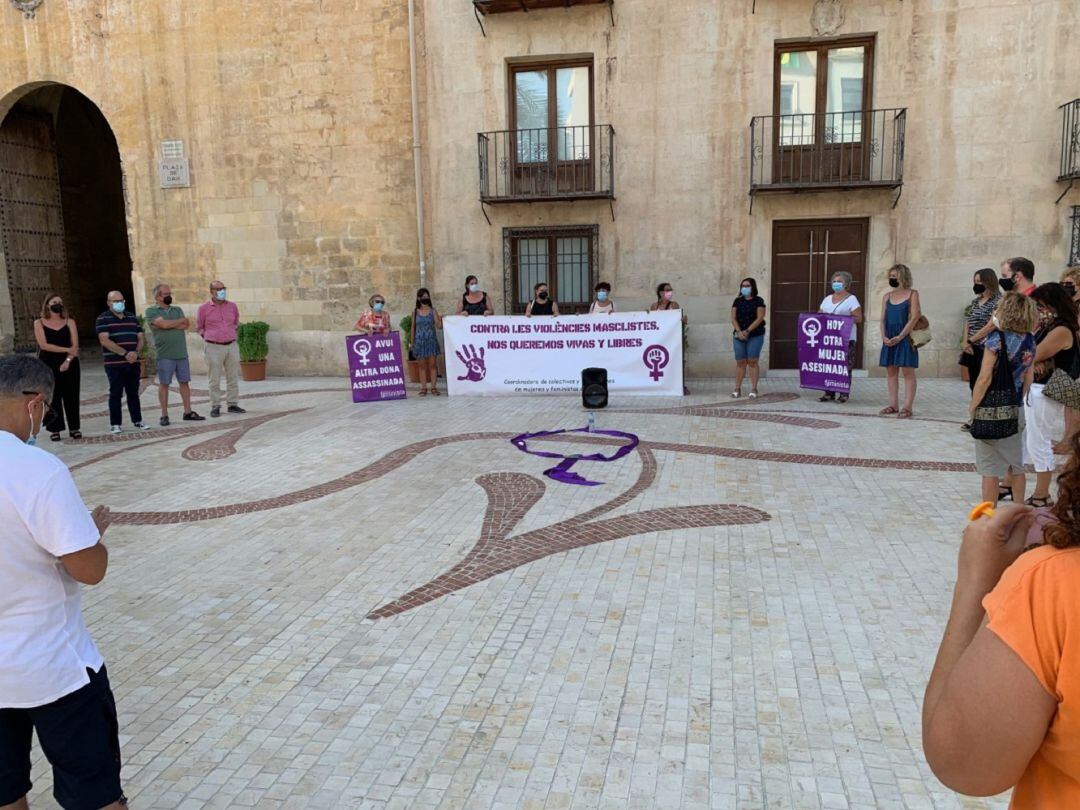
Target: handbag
998	415
1063	389
920	333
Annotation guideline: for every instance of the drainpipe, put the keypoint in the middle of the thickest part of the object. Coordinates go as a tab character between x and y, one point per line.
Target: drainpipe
416	144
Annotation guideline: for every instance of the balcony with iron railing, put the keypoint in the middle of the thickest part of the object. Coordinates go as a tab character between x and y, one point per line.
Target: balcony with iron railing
827	151
1070	141
547	164
505	6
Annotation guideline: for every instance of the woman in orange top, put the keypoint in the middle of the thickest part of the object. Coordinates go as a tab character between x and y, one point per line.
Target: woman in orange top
1002	707
376	320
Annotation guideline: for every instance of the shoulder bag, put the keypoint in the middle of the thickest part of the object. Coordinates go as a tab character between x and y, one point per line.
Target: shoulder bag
998	415
920	333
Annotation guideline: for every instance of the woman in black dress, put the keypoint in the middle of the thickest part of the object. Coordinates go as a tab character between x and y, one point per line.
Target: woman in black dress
58	344
475	300
541	303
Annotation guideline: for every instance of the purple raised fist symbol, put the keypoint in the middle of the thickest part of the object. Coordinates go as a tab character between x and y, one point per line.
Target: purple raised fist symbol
656	357
473	359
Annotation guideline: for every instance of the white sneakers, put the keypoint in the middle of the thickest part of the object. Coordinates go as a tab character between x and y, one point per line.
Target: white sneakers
117	429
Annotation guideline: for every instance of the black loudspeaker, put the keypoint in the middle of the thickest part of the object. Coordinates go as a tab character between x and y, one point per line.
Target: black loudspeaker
594	388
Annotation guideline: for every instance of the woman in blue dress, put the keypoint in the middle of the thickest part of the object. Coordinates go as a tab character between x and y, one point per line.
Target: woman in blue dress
425	343
900	311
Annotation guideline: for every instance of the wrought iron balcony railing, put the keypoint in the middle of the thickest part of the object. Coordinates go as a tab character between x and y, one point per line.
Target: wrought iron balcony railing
1070	141
503	6
554	163
820	151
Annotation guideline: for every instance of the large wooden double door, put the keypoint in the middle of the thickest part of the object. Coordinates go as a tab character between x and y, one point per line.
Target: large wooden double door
805	256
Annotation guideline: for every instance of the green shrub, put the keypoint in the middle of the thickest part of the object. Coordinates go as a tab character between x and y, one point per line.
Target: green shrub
252	340
406	332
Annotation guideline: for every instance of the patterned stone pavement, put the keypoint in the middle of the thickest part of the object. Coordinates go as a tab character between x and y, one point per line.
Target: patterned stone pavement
326	605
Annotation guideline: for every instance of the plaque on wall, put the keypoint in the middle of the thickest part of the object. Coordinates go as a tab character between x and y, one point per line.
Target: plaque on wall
175	173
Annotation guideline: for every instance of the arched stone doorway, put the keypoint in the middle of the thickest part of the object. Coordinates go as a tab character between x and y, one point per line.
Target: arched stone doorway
62	221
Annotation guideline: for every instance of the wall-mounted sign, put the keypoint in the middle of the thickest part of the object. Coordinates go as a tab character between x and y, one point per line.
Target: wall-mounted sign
172	150
175	173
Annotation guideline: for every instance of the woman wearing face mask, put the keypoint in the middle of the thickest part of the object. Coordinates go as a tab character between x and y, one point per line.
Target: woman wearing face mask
58	347
541	303
900	311
1055	339
748	324
475	300
987	298
603	305
665	300
425	343
376	319
842	302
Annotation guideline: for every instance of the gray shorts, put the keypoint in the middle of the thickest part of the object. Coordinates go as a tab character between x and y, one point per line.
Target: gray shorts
167	368
994	459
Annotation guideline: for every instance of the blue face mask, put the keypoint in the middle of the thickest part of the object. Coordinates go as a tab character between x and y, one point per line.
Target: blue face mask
32	440
601	295
220	295
377	306
745	291
837	286
117	307
474	288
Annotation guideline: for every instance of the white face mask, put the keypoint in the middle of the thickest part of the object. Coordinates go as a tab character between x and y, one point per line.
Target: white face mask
33	433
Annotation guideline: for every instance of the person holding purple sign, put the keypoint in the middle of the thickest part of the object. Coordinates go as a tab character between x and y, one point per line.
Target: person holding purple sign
376	319
842	302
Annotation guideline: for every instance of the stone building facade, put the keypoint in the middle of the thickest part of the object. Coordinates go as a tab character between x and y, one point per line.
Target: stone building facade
693	142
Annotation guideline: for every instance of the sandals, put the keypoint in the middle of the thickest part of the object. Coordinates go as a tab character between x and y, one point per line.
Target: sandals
435	392
54	437
1039	503
423	392
905	413
827	397
76	434
1004	493
887	411
842	398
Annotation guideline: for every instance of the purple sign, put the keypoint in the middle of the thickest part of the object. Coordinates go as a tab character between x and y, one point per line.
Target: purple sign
823	352
375	368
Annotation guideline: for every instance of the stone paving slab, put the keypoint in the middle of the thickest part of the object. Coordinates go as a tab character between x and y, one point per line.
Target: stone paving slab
743	614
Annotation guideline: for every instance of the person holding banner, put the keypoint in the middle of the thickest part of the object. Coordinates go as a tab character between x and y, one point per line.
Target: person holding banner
748	323
541	303
842	302
475	300
376	320
425	342
665	300
603	305
900	311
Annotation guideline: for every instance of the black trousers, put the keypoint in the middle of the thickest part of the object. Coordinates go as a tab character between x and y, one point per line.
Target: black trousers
65	399
973	363
124	381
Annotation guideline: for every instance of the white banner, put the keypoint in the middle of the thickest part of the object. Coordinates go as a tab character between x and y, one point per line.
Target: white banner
501	355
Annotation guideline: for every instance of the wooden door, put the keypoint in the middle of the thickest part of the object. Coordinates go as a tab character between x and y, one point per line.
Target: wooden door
805	254
31	221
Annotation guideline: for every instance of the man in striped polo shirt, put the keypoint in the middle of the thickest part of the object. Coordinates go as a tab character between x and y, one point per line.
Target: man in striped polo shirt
121	340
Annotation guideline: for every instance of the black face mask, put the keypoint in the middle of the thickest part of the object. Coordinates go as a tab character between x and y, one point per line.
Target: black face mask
424	302
541	296
978	289
167	300
1007	284
57	308
1070	289
894	282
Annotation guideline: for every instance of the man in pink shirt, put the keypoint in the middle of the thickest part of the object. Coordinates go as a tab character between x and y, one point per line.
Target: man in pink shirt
217	322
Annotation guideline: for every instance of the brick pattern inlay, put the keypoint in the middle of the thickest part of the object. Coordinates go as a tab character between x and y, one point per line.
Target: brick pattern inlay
404	455
153	406
511	495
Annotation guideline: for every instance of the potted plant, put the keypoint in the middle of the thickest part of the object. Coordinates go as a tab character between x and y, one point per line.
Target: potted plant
411	363
253	350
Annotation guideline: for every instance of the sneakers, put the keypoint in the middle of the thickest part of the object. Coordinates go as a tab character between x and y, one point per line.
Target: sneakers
116	429
164	421
215	412
236	409
736	394
142	426
191	416
753	395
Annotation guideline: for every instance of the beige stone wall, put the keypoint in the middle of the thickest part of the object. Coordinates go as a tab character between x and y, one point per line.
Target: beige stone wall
296	120
680	82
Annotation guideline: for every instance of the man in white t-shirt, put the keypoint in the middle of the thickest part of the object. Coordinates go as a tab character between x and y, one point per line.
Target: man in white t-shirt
52	677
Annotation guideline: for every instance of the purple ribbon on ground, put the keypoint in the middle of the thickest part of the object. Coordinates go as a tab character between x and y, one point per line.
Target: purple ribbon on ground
561	472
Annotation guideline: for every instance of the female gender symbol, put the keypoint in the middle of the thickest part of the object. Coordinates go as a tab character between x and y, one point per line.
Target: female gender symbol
561	472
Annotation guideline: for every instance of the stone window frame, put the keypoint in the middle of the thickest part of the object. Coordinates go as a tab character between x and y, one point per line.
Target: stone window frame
510	307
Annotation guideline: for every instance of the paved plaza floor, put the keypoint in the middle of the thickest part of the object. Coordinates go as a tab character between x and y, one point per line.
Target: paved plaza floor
329	605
